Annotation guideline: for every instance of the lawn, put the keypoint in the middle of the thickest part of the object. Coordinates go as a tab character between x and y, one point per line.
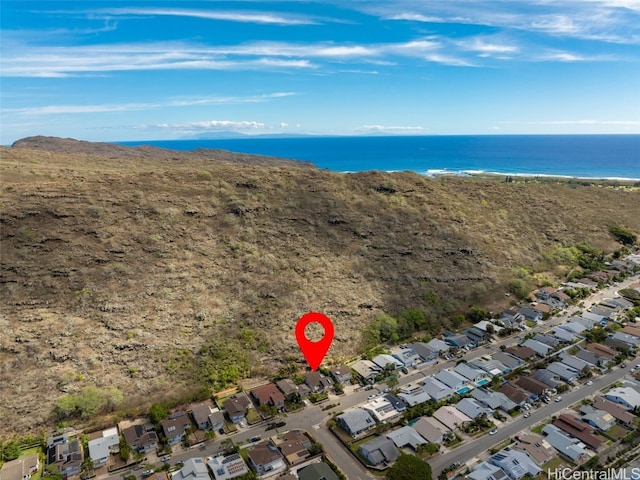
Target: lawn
538	429
617	432
554	463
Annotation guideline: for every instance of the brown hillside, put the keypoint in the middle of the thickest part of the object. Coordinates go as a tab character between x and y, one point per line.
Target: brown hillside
117	267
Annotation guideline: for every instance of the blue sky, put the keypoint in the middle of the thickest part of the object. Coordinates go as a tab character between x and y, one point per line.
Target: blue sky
114	71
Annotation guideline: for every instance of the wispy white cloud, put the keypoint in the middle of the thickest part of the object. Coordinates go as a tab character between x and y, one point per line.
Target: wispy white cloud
207	126
129	107
577	122
210	14
390	129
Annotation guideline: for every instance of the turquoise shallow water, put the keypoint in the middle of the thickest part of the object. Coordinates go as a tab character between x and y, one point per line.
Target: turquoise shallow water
584	156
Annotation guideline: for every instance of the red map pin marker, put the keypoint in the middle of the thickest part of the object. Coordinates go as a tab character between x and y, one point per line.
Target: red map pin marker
314	352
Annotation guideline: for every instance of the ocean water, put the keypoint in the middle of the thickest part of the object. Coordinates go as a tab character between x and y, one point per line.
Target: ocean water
583	156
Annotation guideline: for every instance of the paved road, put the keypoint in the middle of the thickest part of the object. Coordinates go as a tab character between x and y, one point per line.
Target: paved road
312	418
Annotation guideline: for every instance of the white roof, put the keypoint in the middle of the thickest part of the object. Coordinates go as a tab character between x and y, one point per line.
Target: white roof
628	395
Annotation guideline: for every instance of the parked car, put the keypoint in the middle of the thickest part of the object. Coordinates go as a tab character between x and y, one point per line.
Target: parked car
166	458
493	432
589	383
559	398
147	473
527	415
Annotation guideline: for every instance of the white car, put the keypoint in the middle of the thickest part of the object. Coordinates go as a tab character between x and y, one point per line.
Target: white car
527	415
589	383
493	432
559	398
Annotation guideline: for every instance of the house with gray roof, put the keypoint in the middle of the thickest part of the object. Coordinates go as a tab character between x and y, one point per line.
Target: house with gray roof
430	429
413	394
451	379
626	396
356	421
226	468
486	471
493	367
508	360
573	327
472	408
531	314
587	323
626	338
451	417
424	351
598	419
383	360
596	319
540	348
515	463
406	436
379	452
340	373
592	359
619	412
439	345
458	341
547	377
407	356
477	335
563	335
471	373
493	400
566	374
193	469
436	389
568	447
547	340
574	362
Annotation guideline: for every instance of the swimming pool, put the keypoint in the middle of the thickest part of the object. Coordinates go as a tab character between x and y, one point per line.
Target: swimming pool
463	390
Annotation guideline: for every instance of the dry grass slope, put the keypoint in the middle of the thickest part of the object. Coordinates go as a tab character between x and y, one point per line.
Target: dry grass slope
115	266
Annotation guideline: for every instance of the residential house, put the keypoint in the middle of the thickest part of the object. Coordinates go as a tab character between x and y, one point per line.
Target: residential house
379	452
547	340
451	417
341	374
66	454
507	360
563	335
561	297
356	421
632	330
512	315
602	350
493	400
236	406
477	335
536	447
545	293
317	382
381	409
406	436
596	319
193	469
533	386
435	389
598	419
515	463
575	328
268	394
486	471
317	471
484	325
406	356
582	431
523	353
472	373
574	362
200	414
21	468
472	408
593	359
566	374
567	446
587	323
493	367
265	457
458	341
140	439
619	302
366	370
387	361
540	348
295	446
425	352
430	429
515	394
101	447
548	378
620	413
626	396
439	345
413	394
617	344
287	387
175	427
398	403
543	308
451	379
226	468
531	314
